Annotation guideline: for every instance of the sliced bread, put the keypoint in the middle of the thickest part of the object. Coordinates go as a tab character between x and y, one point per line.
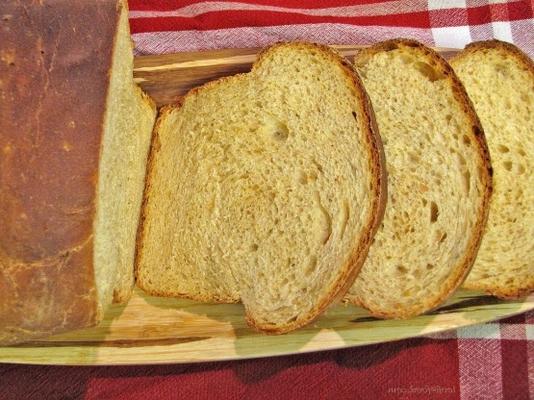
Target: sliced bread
439	181
499	79
265	188
74	138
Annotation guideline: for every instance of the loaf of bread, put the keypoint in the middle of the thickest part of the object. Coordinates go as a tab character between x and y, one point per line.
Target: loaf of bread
499	78
264	188
439	181
74	138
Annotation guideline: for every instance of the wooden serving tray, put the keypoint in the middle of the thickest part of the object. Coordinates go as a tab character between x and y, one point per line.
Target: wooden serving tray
151	330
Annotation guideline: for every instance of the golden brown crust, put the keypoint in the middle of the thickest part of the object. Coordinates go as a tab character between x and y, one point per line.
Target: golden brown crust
50	148
527	287
508	48
350	271
462	269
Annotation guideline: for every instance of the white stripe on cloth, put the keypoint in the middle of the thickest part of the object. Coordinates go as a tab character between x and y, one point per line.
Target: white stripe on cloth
452	36
484	331
446	4
177	41
493	2
362	10
480	369
502	30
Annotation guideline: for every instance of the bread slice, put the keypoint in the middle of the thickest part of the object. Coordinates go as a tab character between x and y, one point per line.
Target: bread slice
74	138
499	78
264	188
439	181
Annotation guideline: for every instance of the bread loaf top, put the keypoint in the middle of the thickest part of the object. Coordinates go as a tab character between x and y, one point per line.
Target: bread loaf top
55	60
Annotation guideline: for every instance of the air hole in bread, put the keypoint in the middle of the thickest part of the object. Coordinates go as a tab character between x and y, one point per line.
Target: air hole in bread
302	177
355	116
466	140
502	148
413	157
407	59
501	69
430	267
345	215
507	165
254	247
442	236
428	71
311	266
293	319
327	220
434	212
390	46
521	152
520	169
467	181
280	132
318	166
401	269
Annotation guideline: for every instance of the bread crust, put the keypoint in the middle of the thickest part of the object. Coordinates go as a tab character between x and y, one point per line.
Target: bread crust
49	155
527	287
379	187
460	272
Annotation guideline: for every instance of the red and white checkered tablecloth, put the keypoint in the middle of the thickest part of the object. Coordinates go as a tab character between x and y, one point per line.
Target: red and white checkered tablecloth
166	26
490	361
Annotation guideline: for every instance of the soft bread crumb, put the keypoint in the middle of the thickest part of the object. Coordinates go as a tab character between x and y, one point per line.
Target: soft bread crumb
438	181
264	188
500	81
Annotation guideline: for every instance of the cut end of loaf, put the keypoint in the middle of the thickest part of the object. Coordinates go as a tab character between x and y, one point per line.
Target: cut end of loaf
275	194
127	128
